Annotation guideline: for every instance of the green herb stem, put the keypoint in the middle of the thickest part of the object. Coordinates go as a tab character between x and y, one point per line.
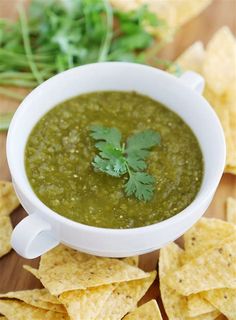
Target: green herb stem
27	46
106	43
11	94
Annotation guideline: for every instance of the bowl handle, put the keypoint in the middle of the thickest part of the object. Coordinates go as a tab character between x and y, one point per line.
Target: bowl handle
193	80
33	237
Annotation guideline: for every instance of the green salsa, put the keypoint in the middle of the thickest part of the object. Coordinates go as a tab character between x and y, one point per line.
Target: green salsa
60	151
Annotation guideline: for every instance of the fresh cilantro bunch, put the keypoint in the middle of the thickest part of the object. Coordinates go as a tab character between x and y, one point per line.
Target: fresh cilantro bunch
117	159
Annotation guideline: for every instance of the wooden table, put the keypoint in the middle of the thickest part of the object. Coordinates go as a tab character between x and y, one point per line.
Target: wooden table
220	12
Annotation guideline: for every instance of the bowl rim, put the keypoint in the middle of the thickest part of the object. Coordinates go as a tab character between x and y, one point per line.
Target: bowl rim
42	208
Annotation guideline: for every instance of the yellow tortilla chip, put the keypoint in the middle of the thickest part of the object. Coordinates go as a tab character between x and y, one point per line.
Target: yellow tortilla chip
204	235
133	261
224	300
8	198
17	310
86	304
125	298
37	298
5	235
220	61
64	269
215	268
198	306
231	210
192	58
222	107
175	304
147	311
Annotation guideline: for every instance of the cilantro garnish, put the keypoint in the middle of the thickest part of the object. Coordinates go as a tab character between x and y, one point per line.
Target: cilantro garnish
117	159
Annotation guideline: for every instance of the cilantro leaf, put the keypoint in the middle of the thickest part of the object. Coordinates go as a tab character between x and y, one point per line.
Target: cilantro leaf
116	160
140	184
110	135
142	141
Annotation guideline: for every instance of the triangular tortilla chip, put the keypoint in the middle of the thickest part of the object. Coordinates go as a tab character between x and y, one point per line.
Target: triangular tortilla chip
147	311
37	298
215	268
224	300
16	310
125	298
220	61
204	235
86	304
64	269
198	305
8	198
5	235
176	305
133	261
33	271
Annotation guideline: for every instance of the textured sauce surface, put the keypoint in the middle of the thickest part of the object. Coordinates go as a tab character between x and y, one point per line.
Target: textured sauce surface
60	150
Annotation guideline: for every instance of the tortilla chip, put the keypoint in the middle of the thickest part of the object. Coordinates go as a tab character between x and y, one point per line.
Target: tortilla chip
37	298
224	300
231	210
148	311
64	269
32	270
86	304
204	235
125	297
133	261
5	235
222	107
220	62
192	58
175	304
16	310
215	268
8	198
198	306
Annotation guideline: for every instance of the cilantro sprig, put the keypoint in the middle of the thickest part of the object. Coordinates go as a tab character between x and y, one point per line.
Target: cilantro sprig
117	159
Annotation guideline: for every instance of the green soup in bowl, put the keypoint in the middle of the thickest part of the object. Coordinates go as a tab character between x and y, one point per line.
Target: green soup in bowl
60	153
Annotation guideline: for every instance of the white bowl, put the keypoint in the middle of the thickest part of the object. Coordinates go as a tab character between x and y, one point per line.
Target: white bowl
43	228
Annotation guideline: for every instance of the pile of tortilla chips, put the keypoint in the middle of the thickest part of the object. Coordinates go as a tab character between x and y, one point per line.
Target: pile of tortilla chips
79	286
217	64
8	202
173	12
199	282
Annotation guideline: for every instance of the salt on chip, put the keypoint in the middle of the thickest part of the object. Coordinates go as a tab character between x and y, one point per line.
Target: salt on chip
125	298
8	198
204	235
216	268
86	304
231	210
147	311
17	310
219	68
224	300
198	306
36	298
73	270
5	235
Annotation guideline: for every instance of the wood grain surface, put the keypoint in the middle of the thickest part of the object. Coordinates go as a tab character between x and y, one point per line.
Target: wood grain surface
219	13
